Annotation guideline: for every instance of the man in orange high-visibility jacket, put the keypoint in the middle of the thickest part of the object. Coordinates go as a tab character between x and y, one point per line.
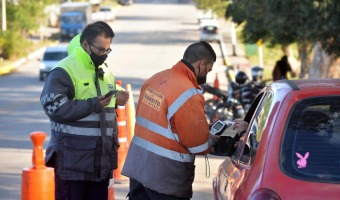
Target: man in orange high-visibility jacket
170	129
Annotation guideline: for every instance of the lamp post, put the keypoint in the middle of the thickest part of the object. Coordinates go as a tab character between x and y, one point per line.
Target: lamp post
260	50
233	37
233	34
4	25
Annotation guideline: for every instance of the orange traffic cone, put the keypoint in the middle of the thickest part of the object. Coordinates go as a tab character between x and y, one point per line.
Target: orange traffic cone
216	85
111	190
119	82
131	115
37	181
123	148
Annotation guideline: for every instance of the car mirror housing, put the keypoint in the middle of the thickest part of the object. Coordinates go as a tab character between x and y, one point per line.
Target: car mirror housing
223	147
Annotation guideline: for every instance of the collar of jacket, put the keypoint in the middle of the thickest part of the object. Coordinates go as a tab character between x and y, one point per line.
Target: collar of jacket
82	57
187	70
75	48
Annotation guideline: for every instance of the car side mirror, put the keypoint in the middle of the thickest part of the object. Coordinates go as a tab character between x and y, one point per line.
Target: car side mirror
223	147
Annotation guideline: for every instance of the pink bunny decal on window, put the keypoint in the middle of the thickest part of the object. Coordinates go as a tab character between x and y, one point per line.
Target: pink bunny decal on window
303	160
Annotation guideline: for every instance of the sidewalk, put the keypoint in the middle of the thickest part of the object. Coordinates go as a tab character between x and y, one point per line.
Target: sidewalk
6	69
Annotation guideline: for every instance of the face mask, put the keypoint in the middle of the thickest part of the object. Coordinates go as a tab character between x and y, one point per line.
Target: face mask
97	60
201	80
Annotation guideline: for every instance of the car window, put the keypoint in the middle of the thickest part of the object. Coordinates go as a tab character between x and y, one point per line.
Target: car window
54	56
247	118
311	144
255	130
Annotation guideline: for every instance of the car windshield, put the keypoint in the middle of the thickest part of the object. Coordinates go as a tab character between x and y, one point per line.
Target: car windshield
311	145
210	29
72	19
54	56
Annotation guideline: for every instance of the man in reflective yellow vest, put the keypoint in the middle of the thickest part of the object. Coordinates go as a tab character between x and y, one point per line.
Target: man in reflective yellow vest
83	144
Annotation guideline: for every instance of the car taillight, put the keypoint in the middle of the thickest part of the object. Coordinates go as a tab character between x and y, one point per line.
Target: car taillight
264	194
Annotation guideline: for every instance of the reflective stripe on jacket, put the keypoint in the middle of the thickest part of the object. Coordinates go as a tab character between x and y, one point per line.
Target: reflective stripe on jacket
170	129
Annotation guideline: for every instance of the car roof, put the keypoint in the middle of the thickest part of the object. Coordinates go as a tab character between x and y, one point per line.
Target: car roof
303	84
320	83
56	48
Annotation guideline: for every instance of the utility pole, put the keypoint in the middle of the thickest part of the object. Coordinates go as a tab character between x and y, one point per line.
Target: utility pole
233	37
4	25
260	50
233	34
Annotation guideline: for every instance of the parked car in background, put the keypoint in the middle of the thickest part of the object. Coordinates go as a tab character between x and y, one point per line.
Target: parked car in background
209	30
125	2
291	149
51	57
105	13
108	12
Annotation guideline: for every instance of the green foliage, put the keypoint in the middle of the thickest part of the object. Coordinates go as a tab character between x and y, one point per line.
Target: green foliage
12	45
250	13
25	16
217	6
327	28
22	17
287	21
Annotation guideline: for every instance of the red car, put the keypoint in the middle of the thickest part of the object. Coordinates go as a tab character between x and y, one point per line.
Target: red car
291	149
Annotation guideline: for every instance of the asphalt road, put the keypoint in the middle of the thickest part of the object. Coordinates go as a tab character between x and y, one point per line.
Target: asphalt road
150	36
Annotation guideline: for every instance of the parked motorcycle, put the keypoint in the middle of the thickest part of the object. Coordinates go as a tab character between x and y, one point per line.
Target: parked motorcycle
211	104
234	103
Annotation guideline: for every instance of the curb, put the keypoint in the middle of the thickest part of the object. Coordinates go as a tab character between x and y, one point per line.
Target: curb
10	67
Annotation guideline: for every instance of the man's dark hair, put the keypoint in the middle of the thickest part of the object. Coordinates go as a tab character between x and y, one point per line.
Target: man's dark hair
95	29
198	51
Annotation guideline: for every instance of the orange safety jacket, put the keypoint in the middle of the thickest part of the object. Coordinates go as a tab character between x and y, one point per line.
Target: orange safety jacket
170	129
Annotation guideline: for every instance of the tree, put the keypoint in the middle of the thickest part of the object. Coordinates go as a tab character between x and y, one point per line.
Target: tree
285	22
22	16
325	33
217	6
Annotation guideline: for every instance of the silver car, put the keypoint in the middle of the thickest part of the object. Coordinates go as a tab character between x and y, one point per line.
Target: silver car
51	57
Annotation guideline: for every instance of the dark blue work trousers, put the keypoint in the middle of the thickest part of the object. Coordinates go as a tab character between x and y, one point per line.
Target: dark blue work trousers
81	190
139	192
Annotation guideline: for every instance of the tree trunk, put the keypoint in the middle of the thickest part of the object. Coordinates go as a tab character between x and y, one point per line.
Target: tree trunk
334	69
320	66
304	58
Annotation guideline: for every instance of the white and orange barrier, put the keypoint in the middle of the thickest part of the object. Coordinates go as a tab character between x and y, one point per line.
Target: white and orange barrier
123	148
37	182
111	190
131	114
